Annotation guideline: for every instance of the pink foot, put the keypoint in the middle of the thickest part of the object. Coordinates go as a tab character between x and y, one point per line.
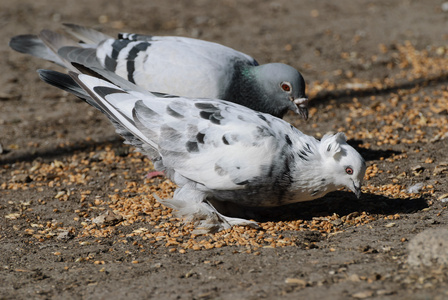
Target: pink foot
154	174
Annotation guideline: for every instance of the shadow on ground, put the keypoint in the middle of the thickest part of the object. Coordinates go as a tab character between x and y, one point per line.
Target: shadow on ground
340	203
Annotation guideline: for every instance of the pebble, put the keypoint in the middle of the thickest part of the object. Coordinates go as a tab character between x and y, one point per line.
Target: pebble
429	248
65	235
354	278
156	265
108	219
440	169
296	281
444	7
363	294
21	178
442	197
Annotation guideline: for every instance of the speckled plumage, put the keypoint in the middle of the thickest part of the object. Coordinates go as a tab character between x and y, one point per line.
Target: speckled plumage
221	151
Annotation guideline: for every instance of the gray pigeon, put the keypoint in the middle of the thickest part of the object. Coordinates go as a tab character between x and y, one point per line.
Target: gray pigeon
176	65
215	150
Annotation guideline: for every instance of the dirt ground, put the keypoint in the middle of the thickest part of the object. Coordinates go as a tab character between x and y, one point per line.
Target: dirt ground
77	220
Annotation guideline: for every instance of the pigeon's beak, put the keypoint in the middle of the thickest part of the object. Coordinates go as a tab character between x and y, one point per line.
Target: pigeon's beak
302	107
356	188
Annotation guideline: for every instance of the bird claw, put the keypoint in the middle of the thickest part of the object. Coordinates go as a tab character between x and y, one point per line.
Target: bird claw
220	222
204	216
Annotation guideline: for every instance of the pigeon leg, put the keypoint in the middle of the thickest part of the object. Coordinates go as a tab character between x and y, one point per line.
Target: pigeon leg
190	204
153	174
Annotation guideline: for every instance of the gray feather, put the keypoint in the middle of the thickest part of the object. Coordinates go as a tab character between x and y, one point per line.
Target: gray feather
64	82
135	37
212	153
194	68
86	35
33	45
82	56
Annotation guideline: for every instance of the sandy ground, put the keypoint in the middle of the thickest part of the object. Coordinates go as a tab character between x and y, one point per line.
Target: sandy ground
374	69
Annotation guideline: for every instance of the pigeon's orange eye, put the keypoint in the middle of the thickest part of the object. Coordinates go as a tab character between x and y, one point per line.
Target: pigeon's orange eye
286	87
349	171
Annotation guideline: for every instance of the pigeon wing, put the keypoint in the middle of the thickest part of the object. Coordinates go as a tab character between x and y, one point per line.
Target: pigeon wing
220	145
180	66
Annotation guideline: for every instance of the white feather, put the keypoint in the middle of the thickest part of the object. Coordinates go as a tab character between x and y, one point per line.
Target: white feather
226	152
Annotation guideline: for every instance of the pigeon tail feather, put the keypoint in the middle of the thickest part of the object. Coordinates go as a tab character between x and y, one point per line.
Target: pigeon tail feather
66	83
86	35
33	45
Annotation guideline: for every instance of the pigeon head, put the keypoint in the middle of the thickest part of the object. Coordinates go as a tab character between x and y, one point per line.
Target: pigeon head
284	86
343	164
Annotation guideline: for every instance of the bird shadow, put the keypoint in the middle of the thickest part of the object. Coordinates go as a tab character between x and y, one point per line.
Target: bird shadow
340	203
53	152
345	95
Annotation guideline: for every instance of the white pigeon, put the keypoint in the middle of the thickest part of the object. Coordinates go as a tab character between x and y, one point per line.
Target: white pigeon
216	150
176	65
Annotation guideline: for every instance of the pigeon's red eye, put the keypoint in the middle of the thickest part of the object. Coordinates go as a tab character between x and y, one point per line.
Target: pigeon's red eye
286	87
349	171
